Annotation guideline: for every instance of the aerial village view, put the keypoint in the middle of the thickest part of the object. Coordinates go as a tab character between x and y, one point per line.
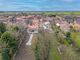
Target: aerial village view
41	36
39	29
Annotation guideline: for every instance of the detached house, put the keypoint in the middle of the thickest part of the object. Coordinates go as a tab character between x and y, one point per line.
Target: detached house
69	19
33	28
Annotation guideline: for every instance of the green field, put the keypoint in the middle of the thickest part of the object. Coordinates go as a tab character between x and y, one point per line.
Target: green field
65	13
41	12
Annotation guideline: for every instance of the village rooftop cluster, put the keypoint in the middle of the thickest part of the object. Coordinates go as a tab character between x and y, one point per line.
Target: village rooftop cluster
32	22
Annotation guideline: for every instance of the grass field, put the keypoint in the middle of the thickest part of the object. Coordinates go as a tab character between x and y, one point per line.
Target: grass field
42	12
64	13
7	12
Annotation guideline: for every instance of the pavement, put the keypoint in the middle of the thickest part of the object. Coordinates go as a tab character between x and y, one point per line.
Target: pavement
30	39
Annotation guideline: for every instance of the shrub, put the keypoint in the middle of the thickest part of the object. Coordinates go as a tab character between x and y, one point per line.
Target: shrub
16	28
2	27
5	54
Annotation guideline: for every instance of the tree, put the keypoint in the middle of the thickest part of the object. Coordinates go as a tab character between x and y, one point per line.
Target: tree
10	42
2	27
6	38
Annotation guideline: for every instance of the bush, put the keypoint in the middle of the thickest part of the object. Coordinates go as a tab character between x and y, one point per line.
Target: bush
16	28
68	37
5	54
2	27
0	34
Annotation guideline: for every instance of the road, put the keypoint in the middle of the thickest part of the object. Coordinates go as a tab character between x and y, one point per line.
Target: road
25	51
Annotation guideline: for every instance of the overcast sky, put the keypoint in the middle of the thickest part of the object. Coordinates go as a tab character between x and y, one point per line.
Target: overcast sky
39	5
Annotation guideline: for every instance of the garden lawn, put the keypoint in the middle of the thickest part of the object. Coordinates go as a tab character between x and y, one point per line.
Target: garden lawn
76	38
